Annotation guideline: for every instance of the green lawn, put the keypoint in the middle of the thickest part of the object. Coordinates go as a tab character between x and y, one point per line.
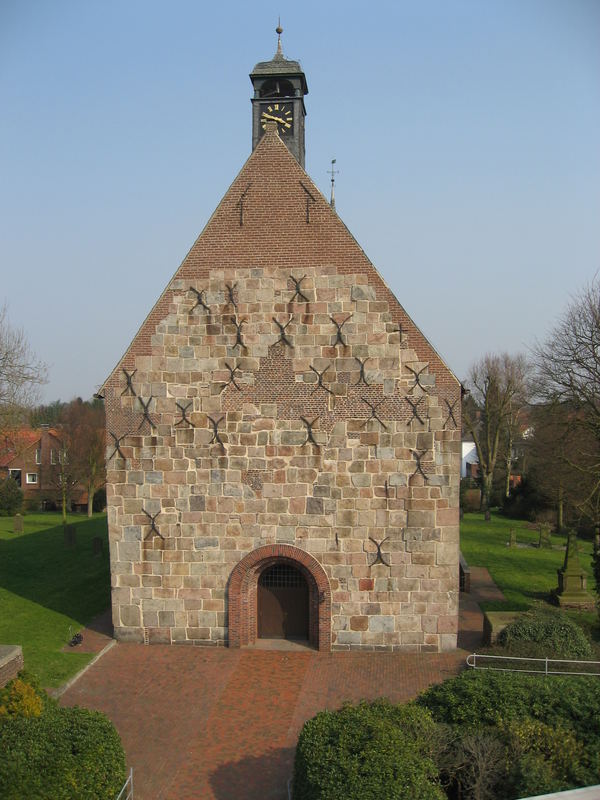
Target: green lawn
525	575
46	587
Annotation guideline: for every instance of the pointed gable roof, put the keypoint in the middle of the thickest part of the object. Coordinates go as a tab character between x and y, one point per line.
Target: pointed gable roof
274	215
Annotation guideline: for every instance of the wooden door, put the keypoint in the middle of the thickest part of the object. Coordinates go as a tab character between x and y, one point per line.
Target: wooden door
282	603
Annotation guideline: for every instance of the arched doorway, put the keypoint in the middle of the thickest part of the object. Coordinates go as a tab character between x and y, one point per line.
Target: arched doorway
243	591
282	603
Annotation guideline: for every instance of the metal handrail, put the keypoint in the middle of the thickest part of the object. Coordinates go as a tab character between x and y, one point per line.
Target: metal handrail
472	662
128	787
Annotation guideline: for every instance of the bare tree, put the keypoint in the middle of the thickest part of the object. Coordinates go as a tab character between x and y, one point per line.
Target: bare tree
497	391
20	373
568	374
83	425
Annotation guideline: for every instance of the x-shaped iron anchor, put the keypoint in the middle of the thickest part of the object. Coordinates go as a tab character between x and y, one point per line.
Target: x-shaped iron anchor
184	417
320	384
152	523
362	378
117	443
282	329
238	332
415	410
298	293
417	376
309	199
379	559
146	411
230	294
240	204
418	455
451	413
232	371
129	379
216	437
199	299
309	432
374	407
339	339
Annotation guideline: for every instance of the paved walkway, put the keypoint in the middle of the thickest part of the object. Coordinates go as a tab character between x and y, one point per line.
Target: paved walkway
220	724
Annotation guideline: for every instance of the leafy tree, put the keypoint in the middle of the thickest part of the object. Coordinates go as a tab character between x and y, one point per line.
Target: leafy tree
491	412
48	414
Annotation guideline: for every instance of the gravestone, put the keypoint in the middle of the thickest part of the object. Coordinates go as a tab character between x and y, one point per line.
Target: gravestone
572	580
18	524
487	515
513	538
70	532
544	540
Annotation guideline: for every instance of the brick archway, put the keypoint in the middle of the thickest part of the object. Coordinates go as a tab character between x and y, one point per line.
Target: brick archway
243	591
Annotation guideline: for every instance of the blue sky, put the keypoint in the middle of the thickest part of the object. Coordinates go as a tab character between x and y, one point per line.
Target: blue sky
466	134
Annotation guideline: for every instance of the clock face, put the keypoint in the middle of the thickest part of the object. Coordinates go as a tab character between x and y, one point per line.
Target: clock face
281	113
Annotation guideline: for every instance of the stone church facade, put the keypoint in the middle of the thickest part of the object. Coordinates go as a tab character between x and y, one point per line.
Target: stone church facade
283	443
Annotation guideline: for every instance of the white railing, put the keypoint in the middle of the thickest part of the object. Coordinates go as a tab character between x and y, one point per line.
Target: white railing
126	792
538	666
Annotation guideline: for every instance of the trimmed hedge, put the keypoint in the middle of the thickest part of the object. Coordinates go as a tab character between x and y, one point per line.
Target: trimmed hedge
549	633
375	751
475	698
62	754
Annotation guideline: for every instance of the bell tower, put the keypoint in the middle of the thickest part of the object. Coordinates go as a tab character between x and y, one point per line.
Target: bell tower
279	89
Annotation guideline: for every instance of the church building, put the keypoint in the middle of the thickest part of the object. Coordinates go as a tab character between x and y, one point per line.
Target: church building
283	443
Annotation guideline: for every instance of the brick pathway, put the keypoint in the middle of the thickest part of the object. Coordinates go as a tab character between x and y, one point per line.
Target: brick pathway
219	724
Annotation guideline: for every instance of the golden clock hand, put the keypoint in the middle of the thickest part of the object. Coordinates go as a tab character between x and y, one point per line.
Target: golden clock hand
276	119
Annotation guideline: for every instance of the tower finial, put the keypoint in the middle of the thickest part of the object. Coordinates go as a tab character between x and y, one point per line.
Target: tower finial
279	31
333	172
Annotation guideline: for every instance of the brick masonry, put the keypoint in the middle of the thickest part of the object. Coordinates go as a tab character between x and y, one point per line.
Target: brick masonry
282	405
11	662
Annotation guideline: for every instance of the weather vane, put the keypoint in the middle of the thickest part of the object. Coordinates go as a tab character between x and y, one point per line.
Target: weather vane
333	172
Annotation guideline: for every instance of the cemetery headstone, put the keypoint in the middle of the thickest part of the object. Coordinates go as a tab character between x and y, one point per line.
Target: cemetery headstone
544	540
70	532
572	579
18	524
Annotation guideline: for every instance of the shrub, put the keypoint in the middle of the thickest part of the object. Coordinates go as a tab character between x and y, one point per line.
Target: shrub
11	497
553	633
19	698
544	758
470	495
64	753
478	698
367	752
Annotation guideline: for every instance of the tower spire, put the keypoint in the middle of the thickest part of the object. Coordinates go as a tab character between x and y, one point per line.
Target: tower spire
279	31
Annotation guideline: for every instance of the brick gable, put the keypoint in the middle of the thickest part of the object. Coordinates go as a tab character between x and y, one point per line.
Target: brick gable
278	399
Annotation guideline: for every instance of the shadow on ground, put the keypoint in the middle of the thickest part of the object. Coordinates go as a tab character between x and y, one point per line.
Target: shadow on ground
255	778
70	580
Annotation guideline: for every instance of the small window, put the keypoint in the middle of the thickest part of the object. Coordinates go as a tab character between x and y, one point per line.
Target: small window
32	477
38	455
15	474
53	456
